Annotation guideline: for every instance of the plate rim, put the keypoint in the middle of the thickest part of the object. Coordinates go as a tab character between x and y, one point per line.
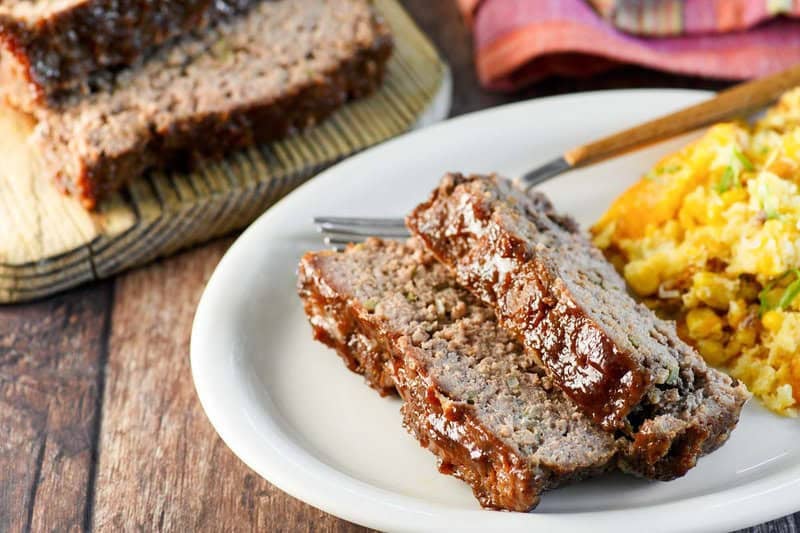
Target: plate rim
297	472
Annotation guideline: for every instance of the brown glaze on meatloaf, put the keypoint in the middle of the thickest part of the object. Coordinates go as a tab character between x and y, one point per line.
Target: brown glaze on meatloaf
549	286
49	47
471	394
279	68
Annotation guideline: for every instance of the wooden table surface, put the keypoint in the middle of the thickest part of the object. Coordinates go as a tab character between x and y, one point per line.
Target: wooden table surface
103	427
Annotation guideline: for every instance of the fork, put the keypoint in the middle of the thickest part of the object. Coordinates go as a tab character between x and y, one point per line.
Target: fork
736	101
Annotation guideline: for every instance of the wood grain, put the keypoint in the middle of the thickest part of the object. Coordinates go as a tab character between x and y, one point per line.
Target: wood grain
51	368
49	243
162	466
783	525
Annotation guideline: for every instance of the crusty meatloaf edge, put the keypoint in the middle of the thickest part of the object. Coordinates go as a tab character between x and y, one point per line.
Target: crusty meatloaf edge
606	387
661	446
444	422
335	324
214	135
497	476
61	52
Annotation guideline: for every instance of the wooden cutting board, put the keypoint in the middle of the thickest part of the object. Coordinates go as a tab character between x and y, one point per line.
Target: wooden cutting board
49	243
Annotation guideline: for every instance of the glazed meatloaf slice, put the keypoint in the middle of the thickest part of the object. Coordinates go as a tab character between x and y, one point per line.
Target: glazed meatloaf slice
49	48
471	394
613	357
280	67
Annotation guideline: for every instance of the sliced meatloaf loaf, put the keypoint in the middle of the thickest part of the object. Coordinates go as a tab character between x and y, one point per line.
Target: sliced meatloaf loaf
51	47
548	285
471	394
278	68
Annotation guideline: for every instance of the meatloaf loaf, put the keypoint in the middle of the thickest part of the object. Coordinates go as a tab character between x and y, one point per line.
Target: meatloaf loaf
49	48
548	285
280	67
471	394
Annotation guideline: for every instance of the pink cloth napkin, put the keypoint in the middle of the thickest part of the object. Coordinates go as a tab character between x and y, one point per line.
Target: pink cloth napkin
520	41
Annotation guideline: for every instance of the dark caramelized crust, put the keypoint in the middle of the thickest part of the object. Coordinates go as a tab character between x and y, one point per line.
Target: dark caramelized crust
279	68
49	48
555	291
500	477
335	324
471	394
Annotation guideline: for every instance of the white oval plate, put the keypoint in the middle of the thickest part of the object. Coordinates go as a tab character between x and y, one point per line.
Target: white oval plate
289	408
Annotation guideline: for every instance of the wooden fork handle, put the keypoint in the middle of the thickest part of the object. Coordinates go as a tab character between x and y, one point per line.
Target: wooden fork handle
733	102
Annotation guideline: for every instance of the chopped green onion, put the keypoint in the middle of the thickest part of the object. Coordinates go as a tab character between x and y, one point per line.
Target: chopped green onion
730	178
633	342
743	159
764	304
791	292
672	378
726	182
788	296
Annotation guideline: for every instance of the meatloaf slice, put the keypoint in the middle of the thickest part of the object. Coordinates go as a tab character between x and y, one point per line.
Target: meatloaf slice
471	393
48	48
548	285
279	67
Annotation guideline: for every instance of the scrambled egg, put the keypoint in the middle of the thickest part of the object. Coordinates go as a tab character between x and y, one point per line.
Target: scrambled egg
711	238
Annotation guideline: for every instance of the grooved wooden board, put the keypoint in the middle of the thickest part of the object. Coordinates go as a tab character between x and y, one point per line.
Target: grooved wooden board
154	461
49	243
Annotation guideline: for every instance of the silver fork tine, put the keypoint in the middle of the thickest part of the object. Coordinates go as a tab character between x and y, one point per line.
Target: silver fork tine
333	240
336	241
338	231
334	223
351	229
345	238
365	231
339	243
